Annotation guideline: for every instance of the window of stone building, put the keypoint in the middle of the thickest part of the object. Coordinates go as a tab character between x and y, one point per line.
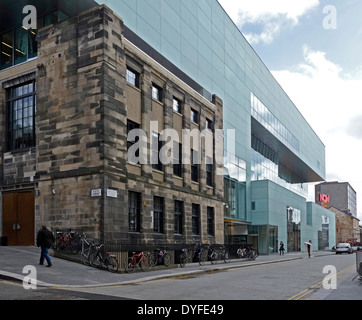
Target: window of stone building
209	173
194	116
195	219
21	110
210	221
133	77
177	159
209	124
194	166
177	105
134	211
132	126
156	93
179	210
158	214
156	148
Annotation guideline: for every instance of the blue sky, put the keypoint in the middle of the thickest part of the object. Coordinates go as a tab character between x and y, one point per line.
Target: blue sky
314	50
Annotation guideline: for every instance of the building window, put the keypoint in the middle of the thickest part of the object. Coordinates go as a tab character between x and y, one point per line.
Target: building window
210	221
209	124
20	44
158	215
177	159
293	229
195	219
179	211
253	205
21	110
133	77
194	166
156	93
209	173
134	211
17	46
156	148
177	105
132	126
194	116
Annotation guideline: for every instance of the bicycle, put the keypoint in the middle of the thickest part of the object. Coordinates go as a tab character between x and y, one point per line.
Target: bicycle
199	254
222	255
99	259
161	256
139	259
184	257
86	248
66	241
241	252
251	253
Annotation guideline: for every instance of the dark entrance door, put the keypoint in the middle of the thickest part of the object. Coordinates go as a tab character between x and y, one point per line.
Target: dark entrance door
18	218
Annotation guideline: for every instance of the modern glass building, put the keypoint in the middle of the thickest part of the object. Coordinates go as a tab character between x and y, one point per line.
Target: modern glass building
270	151
274	152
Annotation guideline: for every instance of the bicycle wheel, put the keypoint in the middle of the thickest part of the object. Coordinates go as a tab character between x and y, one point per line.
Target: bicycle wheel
256	253
227	258
150	260
145	265
94	260
202	258
59	245
252	255
182	259
130	265
167	259
112	264
214	257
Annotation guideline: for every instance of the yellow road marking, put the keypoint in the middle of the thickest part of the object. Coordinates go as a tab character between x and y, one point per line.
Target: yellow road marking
318	285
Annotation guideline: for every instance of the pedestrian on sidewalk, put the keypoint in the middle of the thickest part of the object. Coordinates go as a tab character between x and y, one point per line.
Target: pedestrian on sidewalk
309	247
281	248
44	240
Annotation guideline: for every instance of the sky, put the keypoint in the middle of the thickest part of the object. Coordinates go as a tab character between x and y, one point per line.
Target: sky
313	48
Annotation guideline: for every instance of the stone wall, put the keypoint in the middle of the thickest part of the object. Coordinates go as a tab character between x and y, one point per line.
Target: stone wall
79	166
80	137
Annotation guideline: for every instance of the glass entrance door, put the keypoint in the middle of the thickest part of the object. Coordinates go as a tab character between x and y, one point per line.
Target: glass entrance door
293	229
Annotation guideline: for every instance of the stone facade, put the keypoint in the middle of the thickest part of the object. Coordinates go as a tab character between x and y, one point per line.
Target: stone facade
79	166
347	227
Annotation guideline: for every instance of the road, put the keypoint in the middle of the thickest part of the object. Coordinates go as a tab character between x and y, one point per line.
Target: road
289	280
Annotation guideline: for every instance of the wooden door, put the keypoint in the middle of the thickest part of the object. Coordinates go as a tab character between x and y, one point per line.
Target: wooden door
18	218
10	218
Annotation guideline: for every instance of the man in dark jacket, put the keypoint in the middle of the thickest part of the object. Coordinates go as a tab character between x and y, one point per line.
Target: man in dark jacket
44	240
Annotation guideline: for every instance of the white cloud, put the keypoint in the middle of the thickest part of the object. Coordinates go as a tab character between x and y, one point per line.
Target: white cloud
330	100
273	15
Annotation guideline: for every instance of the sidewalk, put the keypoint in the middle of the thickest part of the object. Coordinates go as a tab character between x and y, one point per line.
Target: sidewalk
67	274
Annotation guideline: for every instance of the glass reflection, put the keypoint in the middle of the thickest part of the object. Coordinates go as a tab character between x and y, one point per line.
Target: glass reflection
264	116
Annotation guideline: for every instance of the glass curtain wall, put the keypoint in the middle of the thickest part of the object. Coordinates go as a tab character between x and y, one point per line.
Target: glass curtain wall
20	44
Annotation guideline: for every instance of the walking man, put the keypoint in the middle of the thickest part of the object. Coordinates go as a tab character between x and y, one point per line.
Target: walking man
44	240
308	247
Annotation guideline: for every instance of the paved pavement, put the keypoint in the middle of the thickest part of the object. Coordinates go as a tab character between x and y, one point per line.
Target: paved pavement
66	274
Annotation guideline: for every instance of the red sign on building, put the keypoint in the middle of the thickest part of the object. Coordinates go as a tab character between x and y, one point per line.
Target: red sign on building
324	198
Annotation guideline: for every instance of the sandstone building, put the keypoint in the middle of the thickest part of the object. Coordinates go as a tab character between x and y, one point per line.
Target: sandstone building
66	115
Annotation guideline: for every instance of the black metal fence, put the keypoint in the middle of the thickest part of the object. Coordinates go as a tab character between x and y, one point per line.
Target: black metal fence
69	245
